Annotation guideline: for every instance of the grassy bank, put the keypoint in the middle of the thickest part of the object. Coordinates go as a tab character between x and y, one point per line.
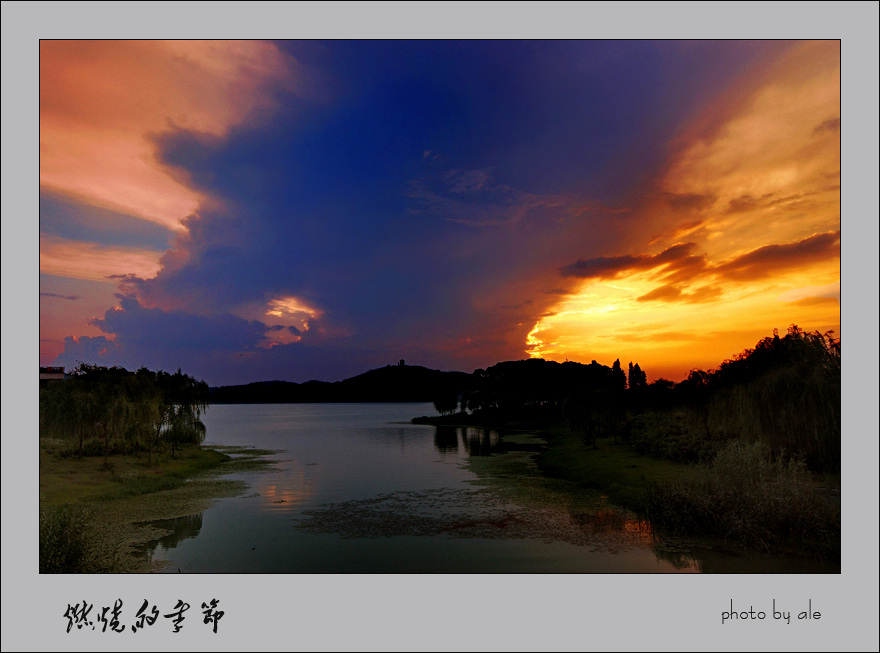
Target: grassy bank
94	512
751	499
744	497
613	467
66	479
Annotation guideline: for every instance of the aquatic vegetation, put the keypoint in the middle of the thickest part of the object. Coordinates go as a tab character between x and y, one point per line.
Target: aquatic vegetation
481	513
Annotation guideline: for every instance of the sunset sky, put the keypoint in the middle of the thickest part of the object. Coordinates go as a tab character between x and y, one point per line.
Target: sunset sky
309	210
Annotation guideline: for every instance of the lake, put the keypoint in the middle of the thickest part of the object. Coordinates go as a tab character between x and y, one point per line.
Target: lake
357	488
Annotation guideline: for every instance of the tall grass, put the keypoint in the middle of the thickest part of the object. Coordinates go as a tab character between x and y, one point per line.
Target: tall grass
70	543
65	545
678	434
784	394
751	498
790	410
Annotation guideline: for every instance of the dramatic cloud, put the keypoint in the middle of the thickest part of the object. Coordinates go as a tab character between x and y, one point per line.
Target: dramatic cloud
609	267
149	328
451	210
752	187
110	205
224	348
673	293
85	349
772	259
103	102
679	264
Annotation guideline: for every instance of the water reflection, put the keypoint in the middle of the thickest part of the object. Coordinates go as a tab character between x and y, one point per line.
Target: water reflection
608	520
446	439
480	442
283	492
360	491
475	441
179	529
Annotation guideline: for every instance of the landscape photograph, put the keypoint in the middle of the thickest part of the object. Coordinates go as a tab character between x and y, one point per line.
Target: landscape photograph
440	306
440	326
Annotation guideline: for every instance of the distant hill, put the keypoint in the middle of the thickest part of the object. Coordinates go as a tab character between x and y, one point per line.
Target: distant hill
391	383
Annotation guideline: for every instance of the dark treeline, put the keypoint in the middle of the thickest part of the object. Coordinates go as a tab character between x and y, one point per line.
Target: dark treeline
762	431
784	394
391	383
104	411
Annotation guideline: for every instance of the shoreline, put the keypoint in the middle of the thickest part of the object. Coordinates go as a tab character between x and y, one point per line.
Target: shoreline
117	509
655	487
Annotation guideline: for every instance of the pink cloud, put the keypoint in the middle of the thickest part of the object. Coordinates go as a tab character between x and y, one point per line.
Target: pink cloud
101	103
80	260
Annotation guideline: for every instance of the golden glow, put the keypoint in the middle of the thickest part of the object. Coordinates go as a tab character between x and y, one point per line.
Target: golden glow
668	339
291	307
535	346
771	171
753	195
282	313
294	490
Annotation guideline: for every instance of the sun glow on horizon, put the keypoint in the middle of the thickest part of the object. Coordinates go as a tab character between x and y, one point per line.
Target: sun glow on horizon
669	339
747	224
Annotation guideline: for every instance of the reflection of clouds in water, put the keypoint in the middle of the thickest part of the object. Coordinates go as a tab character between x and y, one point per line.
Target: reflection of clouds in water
618	525
481	513
284	492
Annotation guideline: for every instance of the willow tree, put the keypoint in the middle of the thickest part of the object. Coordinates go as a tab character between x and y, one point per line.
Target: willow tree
128	411
185	400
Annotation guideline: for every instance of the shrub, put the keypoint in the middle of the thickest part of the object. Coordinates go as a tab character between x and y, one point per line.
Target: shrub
64	541
751	499
677	435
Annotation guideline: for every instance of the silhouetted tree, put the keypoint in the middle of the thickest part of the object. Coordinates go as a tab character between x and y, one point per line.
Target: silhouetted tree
637	378
447	403
618	376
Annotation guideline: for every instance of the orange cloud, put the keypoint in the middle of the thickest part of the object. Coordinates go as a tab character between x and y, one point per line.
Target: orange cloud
678	264
769	168
770	259
288	318
754	188
65	301
608	267
102	102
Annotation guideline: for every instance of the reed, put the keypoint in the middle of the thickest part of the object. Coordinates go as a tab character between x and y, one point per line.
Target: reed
65	545
750	498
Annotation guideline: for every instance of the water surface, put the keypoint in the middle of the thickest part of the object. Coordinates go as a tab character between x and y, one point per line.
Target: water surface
356	488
